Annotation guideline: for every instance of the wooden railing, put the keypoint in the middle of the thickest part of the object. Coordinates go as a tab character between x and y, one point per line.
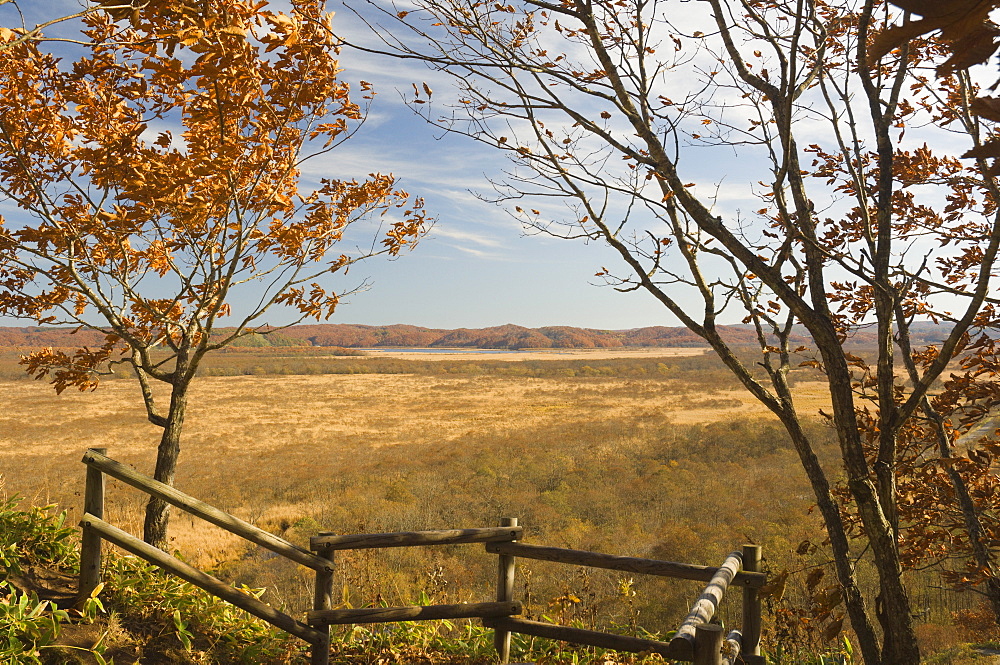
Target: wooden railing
696	640
95	530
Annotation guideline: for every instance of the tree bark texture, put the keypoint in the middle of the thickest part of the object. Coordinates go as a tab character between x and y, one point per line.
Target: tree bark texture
158	511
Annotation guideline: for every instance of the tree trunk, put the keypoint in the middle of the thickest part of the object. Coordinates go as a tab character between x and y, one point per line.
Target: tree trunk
854	600
893	608
993	594
154	529
899	640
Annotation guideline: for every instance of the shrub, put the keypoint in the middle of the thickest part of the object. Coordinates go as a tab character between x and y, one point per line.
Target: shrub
27	625
160	605
34	536
978	624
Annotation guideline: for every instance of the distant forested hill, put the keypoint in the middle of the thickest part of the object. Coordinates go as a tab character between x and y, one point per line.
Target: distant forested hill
40	337
499	337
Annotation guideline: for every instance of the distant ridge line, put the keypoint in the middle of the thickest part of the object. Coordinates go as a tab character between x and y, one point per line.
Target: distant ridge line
510	336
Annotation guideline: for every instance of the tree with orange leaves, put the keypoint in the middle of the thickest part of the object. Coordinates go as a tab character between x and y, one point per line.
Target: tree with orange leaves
157	179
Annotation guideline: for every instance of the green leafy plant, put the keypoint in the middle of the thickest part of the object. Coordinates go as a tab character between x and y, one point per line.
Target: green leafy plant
37	534
26	625
163	604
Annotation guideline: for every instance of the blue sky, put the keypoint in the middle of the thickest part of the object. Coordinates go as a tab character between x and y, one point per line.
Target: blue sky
477	267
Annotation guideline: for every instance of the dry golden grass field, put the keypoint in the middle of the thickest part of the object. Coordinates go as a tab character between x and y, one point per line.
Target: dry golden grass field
646	454
279	430
274	431
628	458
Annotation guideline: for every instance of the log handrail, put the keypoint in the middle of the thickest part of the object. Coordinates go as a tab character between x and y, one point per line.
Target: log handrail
414	613
361	541
582	636
705	606
732	648
685	571
196	577
206	512
696	640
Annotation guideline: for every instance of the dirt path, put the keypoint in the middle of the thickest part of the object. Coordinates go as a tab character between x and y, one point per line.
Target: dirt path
990	652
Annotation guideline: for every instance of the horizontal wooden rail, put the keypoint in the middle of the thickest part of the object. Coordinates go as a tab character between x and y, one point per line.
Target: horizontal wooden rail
413	613
708	602
214	586
684	571
206	512
361	541
581	636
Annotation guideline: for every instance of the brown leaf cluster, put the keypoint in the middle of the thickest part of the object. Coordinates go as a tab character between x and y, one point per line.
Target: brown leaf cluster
963	24
970	36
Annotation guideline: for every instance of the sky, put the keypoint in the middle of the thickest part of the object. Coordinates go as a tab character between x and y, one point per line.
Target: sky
477	267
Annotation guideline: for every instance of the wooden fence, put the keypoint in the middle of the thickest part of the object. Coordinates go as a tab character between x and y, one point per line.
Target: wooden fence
696	640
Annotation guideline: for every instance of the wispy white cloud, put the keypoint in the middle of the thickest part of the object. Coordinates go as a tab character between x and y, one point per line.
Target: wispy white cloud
478	253
466	236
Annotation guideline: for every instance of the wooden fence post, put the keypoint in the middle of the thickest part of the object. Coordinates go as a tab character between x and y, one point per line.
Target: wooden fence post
90	543
323	600
708	644
505	594
751	607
